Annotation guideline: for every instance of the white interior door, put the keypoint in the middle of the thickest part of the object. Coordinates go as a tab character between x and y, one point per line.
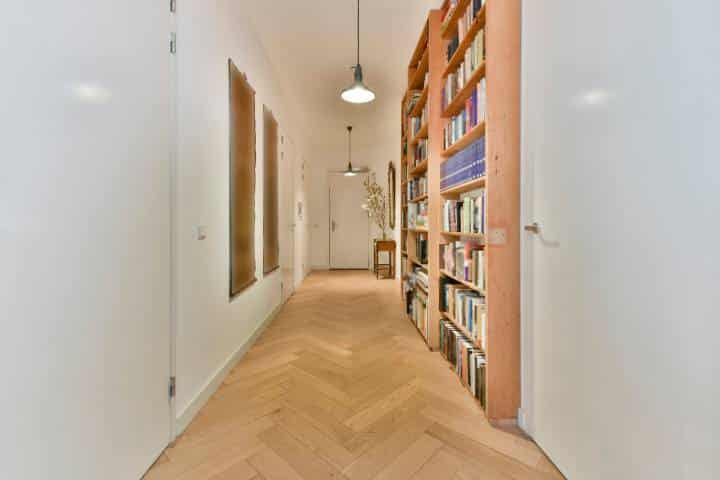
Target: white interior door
620	332
349	223
286	216
84	238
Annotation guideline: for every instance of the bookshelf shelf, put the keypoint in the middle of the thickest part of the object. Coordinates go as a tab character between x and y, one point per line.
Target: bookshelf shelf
459	55
476	132
420	135
420	169
470	285
458	103
465	187
450	26
418	199
417	262
418	78
418	230
475	236
417	110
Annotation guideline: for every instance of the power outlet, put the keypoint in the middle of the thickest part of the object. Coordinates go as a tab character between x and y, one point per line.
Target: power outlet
497	236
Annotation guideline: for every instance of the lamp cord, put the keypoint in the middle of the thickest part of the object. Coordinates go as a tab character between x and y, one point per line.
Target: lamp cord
358	32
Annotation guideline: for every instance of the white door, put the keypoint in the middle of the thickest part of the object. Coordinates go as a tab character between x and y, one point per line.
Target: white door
349	223
84	238
620	331
286	218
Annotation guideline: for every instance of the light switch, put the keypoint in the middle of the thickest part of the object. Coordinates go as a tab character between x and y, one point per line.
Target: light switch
201	232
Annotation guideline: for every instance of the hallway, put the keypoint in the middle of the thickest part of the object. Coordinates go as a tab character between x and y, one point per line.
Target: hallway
341	386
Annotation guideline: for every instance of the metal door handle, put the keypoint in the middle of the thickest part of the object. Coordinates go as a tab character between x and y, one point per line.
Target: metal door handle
334	225
533	228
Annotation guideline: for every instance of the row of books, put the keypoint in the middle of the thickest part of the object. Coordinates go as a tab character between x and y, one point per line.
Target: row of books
466	215
420	153
467	307
464	260
471	116
416	123
421	248
466	165
474	57
417	187
419	314
465	23
417	216
469	361
413	99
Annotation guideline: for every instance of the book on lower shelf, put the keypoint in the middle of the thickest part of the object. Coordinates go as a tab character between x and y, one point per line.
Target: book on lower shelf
468	361
421	250
466	307
466	215
465	261
417	215
466	165
416	298
416	188
472	115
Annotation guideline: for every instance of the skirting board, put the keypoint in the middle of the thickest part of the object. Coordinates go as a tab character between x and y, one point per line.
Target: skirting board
184	419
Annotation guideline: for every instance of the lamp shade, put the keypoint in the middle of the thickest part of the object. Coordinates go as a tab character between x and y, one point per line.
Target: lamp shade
358	92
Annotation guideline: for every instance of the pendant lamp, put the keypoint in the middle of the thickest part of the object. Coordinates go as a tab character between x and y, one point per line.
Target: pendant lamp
358	92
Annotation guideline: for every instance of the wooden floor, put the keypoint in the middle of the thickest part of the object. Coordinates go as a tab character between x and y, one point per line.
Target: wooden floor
342	386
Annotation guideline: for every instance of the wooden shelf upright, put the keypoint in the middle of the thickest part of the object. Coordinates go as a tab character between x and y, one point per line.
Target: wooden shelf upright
499	20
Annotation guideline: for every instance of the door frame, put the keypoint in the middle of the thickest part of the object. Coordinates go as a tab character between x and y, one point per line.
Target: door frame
332	174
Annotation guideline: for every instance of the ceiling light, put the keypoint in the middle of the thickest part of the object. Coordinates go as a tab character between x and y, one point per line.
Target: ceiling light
358	92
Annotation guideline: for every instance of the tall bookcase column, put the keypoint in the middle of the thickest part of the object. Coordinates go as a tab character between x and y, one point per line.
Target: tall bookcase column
436	50
503	193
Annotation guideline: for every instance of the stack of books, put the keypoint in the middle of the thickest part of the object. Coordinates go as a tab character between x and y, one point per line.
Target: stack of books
474	57
417	187
417	215
469	361
416	123
419	314
469	17
413	99
470	117
464	166
464	260
420	154
421	250
466	215
467	307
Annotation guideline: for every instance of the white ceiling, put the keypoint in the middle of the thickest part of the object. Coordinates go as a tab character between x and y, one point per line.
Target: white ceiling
311	45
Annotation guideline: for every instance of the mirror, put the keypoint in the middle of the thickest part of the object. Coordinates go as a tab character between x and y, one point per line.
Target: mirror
391	195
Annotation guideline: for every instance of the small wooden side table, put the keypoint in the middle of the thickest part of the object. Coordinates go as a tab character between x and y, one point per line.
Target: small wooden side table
388	246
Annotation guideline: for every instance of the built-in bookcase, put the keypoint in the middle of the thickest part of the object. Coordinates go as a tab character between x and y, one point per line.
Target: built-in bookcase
461	194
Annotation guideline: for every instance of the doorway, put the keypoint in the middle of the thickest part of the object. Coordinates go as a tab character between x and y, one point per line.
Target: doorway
287	216
349	223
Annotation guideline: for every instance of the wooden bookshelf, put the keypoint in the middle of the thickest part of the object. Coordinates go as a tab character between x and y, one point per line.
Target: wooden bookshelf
499	21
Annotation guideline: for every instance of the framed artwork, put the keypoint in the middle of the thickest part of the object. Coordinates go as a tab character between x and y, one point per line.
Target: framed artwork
242	181
271	226
391	195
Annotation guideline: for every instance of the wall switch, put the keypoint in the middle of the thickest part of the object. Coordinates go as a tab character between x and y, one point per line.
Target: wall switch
497	236
201	232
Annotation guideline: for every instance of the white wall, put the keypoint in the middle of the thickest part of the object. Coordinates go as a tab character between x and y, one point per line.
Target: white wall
621	334
211	328
84	238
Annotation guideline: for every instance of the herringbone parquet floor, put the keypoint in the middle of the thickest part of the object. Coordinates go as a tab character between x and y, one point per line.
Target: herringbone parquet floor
341	386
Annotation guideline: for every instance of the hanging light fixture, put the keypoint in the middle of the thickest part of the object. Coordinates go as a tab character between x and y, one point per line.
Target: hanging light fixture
358	92
350	172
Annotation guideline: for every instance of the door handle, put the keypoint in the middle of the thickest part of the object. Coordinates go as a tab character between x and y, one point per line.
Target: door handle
533	228
334	225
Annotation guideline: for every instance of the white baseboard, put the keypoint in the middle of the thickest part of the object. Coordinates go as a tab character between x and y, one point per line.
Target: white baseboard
523	422
183	419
